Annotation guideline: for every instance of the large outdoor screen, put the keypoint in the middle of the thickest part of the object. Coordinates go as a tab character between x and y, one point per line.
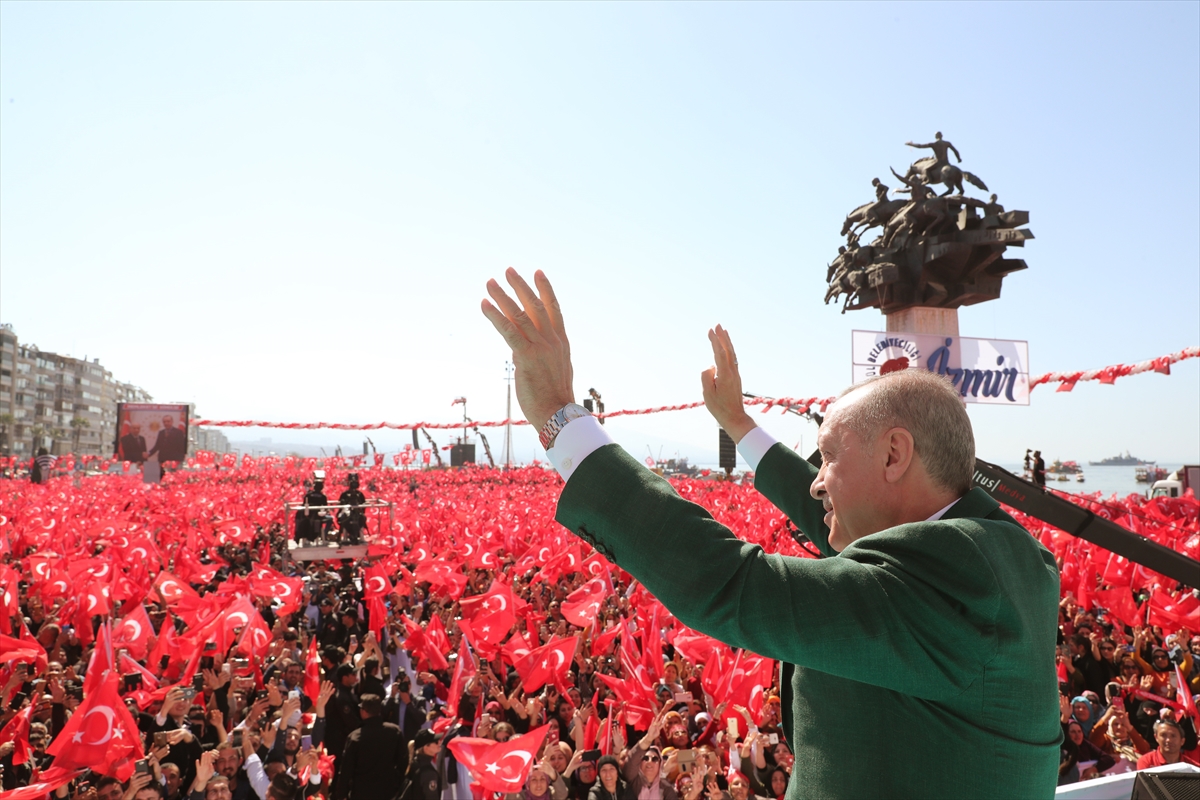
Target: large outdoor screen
151	432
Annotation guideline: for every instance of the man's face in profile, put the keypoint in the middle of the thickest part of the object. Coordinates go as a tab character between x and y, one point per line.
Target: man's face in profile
850	478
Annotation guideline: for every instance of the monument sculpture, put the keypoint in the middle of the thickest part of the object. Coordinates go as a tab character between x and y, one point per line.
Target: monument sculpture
932	251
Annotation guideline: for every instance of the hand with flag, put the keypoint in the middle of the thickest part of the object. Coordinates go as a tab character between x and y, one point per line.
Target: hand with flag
101	735
548	664
500	766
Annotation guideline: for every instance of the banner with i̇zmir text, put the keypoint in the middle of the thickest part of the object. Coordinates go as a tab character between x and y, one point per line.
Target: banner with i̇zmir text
991	371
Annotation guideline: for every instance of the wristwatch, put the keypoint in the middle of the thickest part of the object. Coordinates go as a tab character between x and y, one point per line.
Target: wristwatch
560	418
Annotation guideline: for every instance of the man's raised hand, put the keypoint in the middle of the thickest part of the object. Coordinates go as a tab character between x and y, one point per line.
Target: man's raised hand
541	353
722	386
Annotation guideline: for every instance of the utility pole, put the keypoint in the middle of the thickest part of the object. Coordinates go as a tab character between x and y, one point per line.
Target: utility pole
508	453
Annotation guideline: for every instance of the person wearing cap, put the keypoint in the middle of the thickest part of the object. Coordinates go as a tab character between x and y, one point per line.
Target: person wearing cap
930	609
342	715
609	783
421	782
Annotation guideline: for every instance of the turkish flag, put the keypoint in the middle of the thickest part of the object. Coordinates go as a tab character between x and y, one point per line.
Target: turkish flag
487	631
443	575
638	703
516	648
696	647
17	732
437	641
167	645
498	597
179	597
20	650
499	766
565	563
601	643
266	582
129	665
596	565
312	671
1119	602
134	631
547	664
255	640
101	735
1183	695
582	605
97	600
464	668
46	783
375	582
101	662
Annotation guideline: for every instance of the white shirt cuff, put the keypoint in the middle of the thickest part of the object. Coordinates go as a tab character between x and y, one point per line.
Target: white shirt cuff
578	439
754	445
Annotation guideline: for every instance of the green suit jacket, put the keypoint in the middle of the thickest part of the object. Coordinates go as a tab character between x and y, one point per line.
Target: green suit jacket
919	662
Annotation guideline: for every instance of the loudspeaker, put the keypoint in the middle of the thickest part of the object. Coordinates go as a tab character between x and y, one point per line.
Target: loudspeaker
461	454
1166	786
728	451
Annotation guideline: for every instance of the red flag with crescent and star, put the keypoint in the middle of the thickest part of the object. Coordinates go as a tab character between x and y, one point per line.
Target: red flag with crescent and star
500	766
582	605
101	735
547	664
312	671
134	632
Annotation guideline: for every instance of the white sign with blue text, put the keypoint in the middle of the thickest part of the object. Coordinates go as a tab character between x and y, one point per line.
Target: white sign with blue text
991	371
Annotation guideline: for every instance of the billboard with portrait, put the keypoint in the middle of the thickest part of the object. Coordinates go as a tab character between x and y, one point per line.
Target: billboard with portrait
151	432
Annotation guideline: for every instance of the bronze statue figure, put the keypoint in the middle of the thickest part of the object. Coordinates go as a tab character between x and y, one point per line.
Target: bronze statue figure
934	250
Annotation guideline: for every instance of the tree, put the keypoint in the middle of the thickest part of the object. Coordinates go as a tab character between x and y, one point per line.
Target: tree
38	432
5	421
55	435
77	426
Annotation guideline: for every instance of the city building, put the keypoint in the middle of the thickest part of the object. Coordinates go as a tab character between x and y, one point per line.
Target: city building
66	404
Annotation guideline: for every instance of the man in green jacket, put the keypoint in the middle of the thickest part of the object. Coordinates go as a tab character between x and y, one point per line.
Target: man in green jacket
918	654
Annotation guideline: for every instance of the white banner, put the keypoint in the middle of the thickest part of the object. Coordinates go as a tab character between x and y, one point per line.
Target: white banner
992	371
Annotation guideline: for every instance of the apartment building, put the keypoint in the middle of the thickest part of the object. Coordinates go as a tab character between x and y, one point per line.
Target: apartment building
65	404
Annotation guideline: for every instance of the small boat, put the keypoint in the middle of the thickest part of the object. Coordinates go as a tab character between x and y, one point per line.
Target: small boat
1149	473
1062	476
1079	477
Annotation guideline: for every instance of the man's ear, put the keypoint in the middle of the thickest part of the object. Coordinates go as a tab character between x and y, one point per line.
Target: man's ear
900	450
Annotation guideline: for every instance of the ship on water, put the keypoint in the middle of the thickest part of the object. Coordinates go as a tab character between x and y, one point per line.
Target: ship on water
1120	461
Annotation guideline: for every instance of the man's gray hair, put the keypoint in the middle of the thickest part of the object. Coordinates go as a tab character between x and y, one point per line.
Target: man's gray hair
928	407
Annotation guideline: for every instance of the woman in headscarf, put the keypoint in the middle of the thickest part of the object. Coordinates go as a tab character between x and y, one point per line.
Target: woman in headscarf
1083	712
1081	759
1123	743
543	783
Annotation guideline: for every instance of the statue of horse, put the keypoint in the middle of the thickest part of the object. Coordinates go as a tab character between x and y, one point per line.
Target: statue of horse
950	176
871	215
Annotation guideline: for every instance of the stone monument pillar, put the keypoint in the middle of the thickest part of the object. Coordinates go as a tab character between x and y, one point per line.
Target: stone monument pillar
924	319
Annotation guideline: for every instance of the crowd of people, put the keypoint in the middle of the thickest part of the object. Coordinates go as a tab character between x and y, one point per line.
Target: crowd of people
1127	695
162	644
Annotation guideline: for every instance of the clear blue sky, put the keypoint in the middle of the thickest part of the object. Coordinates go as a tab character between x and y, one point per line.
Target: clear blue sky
289	211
